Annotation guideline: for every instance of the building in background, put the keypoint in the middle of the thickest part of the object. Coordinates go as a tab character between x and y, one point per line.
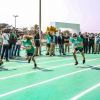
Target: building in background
66	26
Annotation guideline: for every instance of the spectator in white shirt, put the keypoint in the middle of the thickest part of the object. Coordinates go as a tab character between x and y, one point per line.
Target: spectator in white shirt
5	37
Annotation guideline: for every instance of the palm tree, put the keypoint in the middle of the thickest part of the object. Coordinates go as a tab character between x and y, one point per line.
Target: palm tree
36	29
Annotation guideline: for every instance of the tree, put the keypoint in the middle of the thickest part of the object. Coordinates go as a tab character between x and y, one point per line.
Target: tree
31	31
3	25
36	29
25	30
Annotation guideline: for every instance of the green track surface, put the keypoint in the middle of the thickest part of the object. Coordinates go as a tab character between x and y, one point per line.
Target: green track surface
55	80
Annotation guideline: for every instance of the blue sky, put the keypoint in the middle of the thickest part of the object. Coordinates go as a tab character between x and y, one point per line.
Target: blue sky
84	12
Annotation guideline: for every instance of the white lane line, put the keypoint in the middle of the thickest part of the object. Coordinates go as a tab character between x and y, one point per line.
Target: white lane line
36	60
44	82
43	63
85	92
54	61
42	58
16	75
57	66
39	63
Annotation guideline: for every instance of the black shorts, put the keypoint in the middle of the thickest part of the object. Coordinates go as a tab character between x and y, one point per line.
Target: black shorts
79	49
48	45
30	54
37	43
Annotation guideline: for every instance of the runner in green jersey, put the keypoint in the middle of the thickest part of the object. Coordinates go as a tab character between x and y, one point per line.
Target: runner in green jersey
29	49
77	42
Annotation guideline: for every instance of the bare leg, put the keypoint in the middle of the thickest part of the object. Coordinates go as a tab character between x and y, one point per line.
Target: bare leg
36	52
68	48
29	59
82	53
65	48
35	65
75	57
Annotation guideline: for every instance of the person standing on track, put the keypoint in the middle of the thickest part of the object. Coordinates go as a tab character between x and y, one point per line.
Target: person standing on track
66	42
48	37
77	42
37	44
5	44
61	43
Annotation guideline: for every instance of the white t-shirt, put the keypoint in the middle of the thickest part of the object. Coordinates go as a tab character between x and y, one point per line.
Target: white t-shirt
5	37
18	42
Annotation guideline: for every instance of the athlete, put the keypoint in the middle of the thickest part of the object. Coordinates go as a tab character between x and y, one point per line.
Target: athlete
27	43
77	42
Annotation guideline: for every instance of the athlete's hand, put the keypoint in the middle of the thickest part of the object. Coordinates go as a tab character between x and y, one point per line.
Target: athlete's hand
23	47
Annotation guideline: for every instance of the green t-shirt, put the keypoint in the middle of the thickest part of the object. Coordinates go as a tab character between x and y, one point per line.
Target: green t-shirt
29	46
77	42
48	39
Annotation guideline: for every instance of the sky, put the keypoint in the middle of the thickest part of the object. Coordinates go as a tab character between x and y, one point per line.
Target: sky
84	12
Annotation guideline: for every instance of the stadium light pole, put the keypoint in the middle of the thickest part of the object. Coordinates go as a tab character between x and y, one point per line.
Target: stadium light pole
40	22
40	17
15	16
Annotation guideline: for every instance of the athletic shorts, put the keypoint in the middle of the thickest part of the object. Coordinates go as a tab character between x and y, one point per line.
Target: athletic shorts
48	45
79	49
30	54
37	43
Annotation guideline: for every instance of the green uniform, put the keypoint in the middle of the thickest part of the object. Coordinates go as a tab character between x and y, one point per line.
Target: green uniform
29	46
77	42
